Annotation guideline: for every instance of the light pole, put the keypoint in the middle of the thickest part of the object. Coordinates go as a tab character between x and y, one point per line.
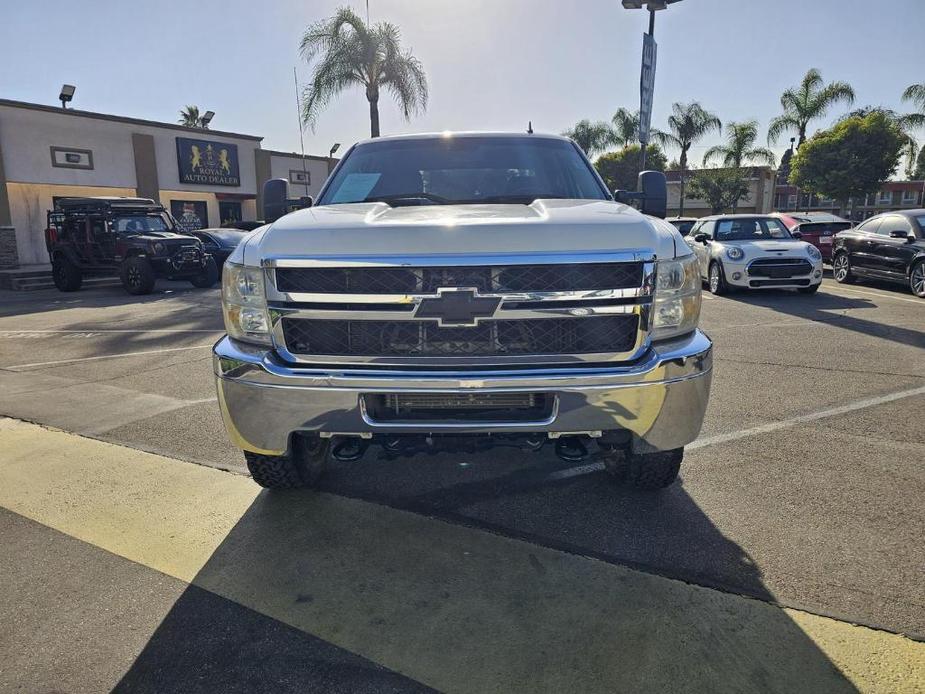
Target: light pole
331	156
647	78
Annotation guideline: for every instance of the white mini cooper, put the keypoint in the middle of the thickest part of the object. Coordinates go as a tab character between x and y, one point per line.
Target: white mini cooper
743	251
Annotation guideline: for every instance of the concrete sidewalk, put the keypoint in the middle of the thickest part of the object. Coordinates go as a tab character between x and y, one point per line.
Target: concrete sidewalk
454	608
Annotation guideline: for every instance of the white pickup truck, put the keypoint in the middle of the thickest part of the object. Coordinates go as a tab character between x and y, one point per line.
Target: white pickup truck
453	290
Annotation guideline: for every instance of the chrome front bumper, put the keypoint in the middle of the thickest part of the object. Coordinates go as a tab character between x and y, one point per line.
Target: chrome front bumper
661	399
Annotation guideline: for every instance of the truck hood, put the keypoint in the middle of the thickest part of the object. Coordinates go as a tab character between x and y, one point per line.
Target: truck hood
546	226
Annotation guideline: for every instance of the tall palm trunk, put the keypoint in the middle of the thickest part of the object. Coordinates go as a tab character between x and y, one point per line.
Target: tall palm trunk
372	94
683	163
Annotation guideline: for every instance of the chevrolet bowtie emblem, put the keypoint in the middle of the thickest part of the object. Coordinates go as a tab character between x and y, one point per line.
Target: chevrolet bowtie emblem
458	307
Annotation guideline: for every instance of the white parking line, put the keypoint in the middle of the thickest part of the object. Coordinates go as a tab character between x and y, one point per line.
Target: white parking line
803	419
920	302
104	356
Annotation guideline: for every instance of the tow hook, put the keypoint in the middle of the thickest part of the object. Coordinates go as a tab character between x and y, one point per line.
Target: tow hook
348	449
571	449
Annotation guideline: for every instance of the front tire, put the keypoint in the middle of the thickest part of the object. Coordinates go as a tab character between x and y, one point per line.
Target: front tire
138	276
208	277
66	275
841	269
717	280
648	471
917	279
303	466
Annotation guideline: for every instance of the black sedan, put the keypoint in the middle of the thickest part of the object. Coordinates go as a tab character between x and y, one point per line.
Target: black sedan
888	246
219	243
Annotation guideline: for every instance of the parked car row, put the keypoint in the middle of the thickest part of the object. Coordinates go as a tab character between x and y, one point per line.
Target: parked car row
786	251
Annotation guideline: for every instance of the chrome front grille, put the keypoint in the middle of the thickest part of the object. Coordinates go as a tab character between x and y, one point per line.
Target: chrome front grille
779	268
381	312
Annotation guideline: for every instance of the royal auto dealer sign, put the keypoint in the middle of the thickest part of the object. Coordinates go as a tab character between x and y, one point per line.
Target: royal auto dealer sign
207	163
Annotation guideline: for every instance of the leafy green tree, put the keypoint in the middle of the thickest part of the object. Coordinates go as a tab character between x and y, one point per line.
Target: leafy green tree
720	188
807	102
593	138
351	53
906	128
620	170
189	116
740	147
849	160
687	125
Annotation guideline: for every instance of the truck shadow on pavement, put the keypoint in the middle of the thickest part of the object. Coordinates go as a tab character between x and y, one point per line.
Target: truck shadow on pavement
461	609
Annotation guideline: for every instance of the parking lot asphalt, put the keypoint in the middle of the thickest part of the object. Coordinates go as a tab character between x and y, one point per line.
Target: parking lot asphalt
805	489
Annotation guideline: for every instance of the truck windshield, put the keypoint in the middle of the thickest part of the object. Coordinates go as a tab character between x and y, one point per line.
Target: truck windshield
463	170
140	223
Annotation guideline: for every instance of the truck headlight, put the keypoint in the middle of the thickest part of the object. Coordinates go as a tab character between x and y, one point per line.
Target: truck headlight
244	304
735	253
813	252
676	309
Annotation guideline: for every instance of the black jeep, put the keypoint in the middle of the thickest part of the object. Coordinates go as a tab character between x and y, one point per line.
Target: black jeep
135	237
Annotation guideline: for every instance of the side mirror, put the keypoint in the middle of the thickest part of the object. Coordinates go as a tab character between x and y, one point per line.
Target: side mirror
900	235
700	238
624	196
796	234
275	199
654	188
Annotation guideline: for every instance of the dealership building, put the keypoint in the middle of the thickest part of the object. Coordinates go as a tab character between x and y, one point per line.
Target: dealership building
204	177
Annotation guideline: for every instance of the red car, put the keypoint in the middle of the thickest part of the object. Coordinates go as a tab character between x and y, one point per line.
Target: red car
817	229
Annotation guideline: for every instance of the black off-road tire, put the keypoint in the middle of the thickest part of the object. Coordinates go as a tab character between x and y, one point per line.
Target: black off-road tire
719	287
841	268
649	471
302	467
137	275
67	276
811	289
208	277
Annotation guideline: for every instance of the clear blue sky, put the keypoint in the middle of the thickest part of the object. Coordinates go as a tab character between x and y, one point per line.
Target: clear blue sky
492	64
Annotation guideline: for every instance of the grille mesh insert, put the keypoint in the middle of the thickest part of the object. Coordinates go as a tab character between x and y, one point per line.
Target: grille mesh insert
589	335
426	280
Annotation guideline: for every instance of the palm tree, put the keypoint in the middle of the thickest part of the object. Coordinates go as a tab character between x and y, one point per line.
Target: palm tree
189	116
352	53
593	138
808	102
626	126
687	124
739	148
916	94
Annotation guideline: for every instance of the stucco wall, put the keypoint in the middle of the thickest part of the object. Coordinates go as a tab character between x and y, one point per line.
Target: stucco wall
281	165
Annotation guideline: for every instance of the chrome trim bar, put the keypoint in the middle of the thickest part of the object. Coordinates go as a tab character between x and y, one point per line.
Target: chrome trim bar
460	260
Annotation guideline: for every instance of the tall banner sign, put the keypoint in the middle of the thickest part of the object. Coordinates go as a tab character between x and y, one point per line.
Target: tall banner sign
204	162
646	86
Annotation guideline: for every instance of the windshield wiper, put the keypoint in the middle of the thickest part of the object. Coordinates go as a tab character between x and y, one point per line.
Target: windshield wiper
407	198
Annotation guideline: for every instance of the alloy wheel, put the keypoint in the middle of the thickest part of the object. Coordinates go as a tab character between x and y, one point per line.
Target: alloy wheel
134	277
714	279
917	279
840	269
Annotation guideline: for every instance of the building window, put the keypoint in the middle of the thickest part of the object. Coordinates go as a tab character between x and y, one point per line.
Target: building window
885	198
792	200
910	197
71	158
